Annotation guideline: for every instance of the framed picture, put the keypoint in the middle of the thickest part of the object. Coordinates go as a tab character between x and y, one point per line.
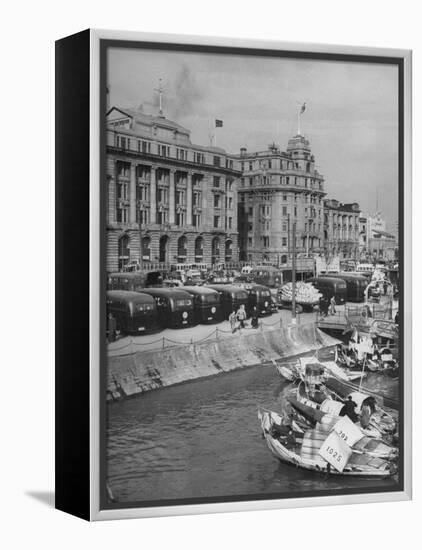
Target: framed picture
233	275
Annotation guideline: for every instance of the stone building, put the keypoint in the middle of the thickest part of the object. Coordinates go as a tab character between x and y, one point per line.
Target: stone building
341	229
168	200
363	237
276	190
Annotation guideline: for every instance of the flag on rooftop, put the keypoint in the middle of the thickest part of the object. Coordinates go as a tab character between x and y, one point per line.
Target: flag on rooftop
302	109
218	123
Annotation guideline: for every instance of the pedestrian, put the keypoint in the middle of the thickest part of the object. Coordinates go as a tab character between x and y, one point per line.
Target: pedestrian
241	316
232	321
254	321
333	305
396	318
385	288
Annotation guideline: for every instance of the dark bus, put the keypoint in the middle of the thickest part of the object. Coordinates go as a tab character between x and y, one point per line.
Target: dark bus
231	298
134	280
355	284
206	304
267	275
259	296
330	286
174	307
134	312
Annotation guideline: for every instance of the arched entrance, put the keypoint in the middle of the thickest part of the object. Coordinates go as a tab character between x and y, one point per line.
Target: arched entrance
182	252
163	253
146	249
123	251
215	250
199	249
228	252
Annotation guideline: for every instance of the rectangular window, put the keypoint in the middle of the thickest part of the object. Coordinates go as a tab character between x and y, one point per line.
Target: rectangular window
216	181
249	241
216	201
269	164
266	242
284	241
250	181
230	203
284	197
287	180
230	222
284	210
295	211
217	161
284	227
250	166
216	221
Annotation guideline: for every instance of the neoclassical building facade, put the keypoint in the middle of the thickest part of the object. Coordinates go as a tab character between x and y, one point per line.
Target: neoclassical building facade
278	189
169	201
342	229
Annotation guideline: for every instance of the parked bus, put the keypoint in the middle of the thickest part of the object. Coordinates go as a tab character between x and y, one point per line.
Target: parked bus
231	297
267	275
330	286
136	280
174	307
365	268
134	312
259	296
206	304
355	285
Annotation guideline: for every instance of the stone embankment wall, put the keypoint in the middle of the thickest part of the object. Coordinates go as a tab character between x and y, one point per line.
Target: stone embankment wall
149	370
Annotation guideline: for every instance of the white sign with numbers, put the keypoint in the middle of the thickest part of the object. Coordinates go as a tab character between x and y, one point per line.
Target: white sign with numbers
335	451
349	432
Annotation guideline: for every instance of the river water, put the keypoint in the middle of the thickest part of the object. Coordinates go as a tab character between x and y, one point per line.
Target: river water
202	439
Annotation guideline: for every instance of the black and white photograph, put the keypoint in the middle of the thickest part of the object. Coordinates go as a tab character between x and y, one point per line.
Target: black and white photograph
253	271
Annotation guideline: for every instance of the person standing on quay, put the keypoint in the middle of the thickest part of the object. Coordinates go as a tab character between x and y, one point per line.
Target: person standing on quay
232	321
241	316
333	305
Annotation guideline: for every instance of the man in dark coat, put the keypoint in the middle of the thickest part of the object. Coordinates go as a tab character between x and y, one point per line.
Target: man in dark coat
348	409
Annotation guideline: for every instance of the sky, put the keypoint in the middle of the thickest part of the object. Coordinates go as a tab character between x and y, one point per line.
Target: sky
351	116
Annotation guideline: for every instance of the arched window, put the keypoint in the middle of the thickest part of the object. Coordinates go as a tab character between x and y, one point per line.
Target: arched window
181	249
123	251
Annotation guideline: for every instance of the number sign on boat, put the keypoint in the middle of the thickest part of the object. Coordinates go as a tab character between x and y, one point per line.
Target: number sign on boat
335	451
348	431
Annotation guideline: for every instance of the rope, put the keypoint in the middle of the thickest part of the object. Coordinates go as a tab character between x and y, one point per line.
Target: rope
147	343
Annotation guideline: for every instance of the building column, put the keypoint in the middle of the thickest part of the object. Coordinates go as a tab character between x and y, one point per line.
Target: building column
153	196
172	185
189	200
132	194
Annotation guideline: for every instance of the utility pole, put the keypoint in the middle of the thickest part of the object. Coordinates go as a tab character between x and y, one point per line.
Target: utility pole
294	274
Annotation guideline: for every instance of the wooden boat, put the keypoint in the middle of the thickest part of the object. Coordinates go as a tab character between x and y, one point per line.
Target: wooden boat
342	388
301	448
382	423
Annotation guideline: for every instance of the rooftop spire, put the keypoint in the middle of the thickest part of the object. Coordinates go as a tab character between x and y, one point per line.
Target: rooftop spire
160	91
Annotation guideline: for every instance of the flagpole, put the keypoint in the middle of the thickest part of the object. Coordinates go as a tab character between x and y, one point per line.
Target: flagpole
298	121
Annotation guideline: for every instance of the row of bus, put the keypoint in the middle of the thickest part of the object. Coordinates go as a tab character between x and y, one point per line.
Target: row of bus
150	309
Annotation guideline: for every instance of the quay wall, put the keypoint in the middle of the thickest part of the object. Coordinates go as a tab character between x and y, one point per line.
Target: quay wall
129	375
